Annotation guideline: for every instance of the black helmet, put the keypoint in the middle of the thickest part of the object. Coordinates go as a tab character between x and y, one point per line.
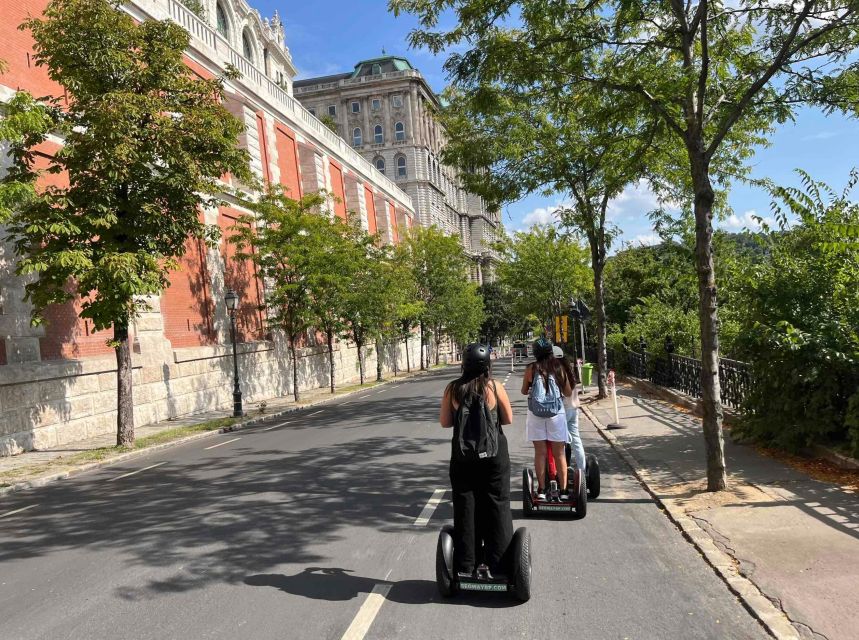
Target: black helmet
542	348
475	358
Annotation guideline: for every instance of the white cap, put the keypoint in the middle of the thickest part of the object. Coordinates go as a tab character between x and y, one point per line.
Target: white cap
557	351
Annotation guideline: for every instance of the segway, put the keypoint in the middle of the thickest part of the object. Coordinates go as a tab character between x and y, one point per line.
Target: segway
517	580
592	471
580	485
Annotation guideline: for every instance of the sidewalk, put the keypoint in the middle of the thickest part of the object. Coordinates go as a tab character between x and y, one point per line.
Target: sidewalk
795	538
35	468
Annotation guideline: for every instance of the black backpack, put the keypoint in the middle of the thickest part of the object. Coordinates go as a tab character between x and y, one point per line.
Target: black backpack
475	434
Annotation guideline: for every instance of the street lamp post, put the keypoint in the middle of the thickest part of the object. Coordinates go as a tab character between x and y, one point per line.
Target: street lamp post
232	300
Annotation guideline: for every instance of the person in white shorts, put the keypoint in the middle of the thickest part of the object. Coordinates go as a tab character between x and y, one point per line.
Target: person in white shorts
551	431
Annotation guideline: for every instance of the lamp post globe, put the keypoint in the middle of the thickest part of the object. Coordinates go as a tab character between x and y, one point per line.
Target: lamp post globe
231	298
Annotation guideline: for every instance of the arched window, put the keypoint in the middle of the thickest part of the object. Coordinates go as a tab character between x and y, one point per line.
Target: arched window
401	167
376	69
357	139
400	131
265	61
380	164
378	136
247	47
221	18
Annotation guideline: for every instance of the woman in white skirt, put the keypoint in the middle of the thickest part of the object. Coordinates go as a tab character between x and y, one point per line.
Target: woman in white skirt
548	431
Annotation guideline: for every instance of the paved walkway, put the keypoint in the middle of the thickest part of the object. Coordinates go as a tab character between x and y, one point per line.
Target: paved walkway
796	538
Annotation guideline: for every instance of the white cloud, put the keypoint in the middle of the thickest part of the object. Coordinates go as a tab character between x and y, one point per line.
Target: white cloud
540	215
748	220
635	201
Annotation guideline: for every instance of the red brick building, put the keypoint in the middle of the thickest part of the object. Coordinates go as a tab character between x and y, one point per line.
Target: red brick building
57	382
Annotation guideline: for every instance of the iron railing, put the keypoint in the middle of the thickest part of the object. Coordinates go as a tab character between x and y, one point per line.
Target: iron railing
679	372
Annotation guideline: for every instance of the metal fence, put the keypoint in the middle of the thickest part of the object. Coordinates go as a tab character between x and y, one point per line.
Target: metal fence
679	372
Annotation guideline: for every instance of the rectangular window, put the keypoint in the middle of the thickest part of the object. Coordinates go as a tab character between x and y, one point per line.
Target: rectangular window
396	101
377	104
332	110
356	107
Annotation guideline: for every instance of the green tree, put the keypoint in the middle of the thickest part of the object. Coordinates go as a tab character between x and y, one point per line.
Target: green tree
438	269
379	288
800	323
717	77
145	143
533	141
499	318
280	239
334	258
544	268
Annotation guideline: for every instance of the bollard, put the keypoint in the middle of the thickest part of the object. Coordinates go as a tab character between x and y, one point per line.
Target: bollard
616	424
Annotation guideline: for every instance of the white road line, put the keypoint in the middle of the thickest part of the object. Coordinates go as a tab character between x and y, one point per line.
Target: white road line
220	444
125	475
275	426
423	519
382	391
315	413
12	513
367	613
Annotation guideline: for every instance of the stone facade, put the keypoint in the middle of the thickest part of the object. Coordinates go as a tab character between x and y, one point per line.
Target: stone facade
384	109
58	382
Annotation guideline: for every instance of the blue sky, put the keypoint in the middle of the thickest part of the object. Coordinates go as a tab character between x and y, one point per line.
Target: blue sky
332	37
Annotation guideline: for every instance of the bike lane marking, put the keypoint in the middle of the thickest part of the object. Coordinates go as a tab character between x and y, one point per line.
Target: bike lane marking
367	613
12	513
220	444
275	426
423	519
125	475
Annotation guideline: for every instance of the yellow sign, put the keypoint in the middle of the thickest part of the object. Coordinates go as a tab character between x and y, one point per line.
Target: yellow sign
557	328
564	322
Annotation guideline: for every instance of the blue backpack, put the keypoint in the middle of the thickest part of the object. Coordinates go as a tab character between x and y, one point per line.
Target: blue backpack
545	401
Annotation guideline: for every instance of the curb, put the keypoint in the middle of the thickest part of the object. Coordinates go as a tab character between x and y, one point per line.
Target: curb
773	619
41	481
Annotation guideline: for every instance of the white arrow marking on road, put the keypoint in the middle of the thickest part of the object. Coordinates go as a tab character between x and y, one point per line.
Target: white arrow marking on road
367	613
12	513
125	475
423	519
220	444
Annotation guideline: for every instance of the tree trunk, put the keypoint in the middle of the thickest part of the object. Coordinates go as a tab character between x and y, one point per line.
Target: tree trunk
379	361
360	345
329	335
437	345
708	320
124	395
408	362
294	368
602	356
423	348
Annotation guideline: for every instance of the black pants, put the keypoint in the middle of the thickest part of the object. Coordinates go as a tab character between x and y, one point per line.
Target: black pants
481	511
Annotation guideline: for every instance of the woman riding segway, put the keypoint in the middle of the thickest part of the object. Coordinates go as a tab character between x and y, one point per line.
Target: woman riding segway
480	552
545	383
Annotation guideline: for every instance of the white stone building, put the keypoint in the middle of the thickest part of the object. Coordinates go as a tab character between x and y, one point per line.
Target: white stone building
384	109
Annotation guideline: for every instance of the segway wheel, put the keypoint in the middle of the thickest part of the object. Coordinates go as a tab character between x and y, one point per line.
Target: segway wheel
444	563
522	564
593	474
527	498
581	496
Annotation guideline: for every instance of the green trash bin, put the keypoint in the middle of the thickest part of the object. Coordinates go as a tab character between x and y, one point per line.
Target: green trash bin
587	374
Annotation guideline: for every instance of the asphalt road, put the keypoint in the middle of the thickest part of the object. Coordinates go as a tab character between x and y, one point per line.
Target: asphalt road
317	525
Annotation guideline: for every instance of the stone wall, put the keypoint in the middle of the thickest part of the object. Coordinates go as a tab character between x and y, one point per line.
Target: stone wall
49	404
